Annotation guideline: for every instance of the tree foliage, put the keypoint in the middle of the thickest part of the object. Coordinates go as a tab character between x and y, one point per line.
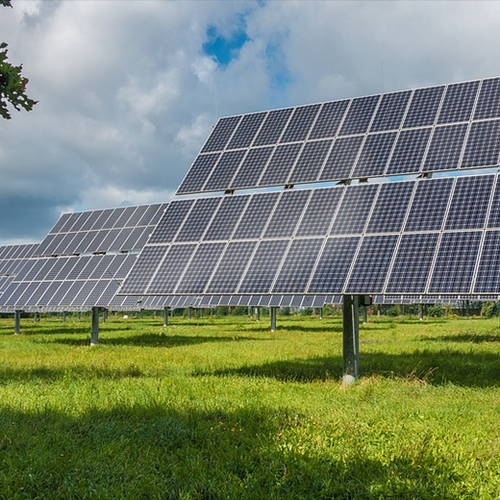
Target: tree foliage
12	82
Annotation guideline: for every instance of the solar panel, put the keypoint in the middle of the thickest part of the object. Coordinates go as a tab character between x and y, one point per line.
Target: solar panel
424	107
483	145
226	218
300	123
455	262
225	170
458	102
310	162
329	119
172	220
391	111
246	131
221	134
488	104
409	151
359	115
273	127
281	163
252	168
445	148
196	222
342	157
488	273
374	155
198	173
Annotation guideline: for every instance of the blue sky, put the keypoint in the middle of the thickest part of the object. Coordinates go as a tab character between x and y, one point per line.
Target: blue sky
128	95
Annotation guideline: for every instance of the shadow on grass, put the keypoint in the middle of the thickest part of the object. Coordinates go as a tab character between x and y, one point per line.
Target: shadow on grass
435	367
153	340
157	452
473	338
299	328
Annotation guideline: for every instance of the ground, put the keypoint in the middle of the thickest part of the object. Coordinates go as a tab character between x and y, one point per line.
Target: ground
220	407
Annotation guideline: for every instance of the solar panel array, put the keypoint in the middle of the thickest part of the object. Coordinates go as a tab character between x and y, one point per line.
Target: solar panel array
440	128
425	236
121	229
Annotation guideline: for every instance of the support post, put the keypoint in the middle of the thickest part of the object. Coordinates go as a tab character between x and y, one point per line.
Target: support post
257	314
17	322
201	313
104	315
36	318
189	313
165	316
79	316
350	339
141	313
64	317
94	332
320	313
272	311
365	315
421	312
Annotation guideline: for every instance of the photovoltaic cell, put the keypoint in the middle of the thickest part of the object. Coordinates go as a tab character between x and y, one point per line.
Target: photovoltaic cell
342	157
171	269
433	193
354	209
231	267
329	119
300	123
287	214
455	262
488	103
101	220
310	162
390	111
470	202
197	221
246	131
424	107
333	265
297	266
280	165
483	145
171	221
409	151
494	218
488	274
60	223
256	215
226	218
458	102
359	115
263	267
221	134
224	171
412	264
198	173
372	264
374	155
391	207
320	212
200	268
252	167
446	147
273	127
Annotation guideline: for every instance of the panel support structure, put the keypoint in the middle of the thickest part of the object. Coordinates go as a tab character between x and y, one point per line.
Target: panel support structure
272	312
421	312
94	332
64	317
189	313
165	316
17	322
104	315
257	314
350	339
320	313
365	315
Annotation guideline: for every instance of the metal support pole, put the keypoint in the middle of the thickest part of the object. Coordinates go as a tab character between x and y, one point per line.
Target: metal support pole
64	317
94	332
189	313
272	311
36	318
104	315
365	315
351	339
79	316
257	314
320	313
201	313
421	312
141	313
165	316
17	322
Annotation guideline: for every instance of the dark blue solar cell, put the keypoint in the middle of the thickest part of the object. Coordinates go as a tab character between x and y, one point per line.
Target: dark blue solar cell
483	145
488	274
342	157
455	262
391	111
252	168
446	148
246	131
287	214
412	264
359	115
273	127
409	151
198	174
301	122
458	102
494	218
197	221
374	155
280	165
221	134
488	103
226	218
329	119
424	107
310	162
256	215
224	171
171	221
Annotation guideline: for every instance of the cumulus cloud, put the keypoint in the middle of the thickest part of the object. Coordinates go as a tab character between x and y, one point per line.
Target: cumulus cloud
128	94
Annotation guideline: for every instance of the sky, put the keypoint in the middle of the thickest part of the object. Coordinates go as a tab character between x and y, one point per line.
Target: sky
128	90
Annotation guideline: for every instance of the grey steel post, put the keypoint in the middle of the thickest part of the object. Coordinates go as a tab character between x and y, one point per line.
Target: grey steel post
272	311
201	313
421	312
35	319
79	316
17	322
320	313
365	315
257	314
94	332
189	313
165	316
64	317
104	315
350	339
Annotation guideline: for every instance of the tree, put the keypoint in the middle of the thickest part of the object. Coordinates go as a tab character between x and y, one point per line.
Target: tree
12	82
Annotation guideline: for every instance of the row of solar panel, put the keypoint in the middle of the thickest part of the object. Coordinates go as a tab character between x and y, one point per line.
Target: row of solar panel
111	218
10	252
457	203
106	240
448	147
323	160
68	281
453	300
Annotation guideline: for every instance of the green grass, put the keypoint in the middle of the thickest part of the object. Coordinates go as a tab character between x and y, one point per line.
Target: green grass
222	408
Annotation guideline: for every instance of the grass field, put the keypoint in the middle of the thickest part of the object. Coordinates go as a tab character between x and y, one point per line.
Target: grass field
222	408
